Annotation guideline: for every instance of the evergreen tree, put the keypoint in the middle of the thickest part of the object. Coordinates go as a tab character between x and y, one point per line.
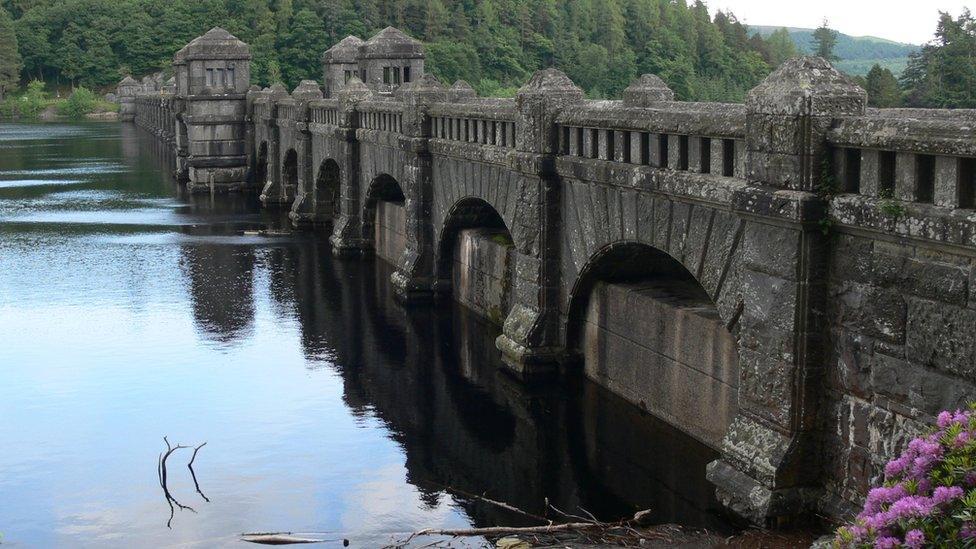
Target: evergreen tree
10	62
882	88
780	47
943	74
824	39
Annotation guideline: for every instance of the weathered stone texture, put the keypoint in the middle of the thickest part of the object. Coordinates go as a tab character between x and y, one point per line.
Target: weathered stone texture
663	347
483	272
390	234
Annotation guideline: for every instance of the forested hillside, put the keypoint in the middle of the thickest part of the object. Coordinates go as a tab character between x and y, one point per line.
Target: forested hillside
856	54
494	44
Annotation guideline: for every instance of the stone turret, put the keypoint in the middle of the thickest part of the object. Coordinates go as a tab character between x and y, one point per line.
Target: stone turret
390	59
127	90
339	64
212	77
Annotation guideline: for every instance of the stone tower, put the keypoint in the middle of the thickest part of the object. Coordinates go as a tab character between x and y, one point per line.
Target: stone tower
213	72
339	64
126	91
390	59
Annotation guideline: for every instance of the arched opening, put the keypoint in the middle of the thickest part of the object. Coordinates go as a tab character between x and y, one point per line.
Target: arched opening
289	169
476	259
260	173
646	329
327	187
385	218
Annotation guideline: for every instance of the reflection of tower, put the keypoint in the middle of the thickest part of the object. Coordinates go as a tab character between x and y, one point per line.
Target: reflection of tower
221	280
131	151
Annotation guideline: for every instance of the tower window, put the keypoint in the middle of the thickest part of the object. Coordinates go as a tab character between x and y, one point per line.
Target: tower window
406	74
230	78
386	75
210	77
346	76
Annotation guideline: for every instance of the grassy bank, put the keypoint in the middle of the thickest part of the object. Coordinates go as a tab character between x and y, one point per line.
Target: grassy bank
34	103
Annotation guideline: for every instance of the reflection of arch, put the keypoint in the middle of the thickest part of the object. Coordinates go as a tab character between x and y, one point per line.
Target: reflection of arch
261	165
327	190
383	188
289	169
647	329
467	213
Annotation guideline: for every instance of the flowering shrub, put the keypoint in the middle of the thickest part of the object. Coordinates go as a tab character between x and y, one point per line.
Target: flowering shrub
929	495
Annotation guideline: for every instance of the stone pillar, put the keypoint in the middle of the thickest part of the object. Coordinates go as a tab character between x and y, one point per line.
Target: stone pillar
302	212
273	188
647	91
347	236
769	467
530	342
414	278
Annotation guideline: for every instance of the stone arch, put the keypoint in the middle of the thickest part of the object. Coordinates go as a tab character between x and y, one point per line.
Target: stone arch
644	326
328	183
261	165
385	217
475	258
289	169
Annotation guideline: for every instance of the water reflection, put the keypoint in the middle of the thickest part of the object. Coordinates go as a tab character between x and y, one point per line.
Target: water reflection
129	311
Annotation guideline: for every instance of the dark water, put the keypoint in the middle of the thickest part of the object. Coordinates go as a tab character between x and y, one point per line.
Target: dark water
129	312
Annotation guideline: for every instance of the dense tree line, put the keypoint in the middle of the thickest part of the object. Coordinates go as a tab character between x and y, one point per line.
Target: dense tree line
10	63
494	44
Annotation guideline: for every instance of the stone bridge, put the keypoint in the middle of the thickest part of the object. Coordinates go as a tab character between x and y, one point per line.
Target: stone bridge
790	280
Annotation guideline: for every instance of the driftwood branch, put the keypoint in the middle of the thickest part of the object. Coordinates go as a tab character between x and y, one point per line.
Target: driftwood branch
587	528
287	538
499	504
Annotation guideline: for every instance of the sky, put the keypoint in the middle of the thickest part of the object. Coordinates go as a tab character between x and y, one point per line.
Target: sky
911	21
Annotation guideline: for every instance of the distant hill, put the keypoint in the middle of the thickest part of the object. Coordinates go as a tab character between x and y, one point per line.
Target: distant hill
857	53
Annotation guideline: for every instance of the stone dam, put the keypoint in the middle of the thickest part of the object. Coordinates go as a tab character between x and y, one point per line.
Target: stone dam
791	281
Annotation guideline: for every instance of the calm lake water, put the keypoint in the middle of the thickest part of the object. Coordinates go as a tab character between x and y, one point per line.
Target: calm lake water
130	312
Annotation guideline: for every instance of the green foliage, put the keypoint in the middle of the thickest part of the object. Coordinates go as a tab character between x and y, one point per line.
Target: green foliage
81	102
882	88
33	102
10	61
888	205
824	41
781	47
943	73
